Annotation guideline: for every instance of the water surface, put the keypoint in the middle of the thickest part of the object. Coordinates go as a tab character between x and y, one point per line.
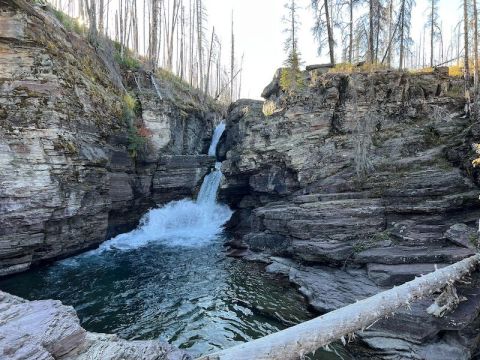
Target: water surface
192	296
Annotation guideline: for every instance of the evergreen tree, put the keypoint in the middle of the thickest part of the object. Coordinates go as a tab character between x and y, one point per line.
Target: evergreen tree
291	77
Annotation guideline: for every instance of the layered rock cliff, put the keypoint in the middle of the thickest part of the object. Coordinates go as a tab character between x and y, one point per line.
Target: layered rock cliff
77	165
356	183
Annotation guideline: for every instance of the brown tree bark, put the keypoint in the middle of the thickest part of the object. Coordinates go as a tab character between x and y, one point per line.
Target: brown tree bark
331	43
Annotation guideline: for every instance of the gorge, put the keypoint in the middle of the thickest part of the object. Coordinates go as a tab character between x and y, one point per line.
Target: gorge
355	184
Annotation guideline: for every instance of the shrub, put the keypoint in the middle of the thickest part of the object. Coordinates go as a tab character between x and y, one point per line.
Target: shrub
175	80
268	108
136	141
68	22
455	70
291	78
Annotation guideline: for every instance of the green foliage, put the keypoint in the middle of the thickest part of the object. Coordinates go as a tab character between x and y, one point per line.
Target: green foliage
291	78
129	106
68	22
175	80
128	60
135	141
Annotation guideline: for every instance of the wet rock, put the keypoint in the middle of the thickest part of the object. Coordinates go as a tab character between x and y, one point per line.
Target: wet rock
177	177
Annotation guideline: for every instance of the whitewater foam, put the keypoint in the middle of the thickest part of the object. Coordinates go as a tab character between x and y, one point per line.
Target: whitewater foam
180	223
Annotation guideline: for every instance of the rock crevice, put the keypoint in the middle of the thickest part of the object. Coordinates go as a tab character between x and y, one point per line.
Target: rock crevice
365	181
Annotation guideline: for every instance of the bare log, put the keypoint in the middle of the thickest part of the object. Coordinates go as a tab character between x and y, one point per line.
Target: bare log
309	336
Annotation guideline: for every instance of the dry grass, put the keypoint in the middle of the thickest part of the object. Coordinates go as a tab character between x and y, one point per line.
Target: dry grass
348	68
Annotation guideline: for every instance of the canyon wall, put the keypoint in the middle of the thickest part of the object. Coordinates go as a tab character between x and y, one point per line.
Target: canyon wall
74	168
356	183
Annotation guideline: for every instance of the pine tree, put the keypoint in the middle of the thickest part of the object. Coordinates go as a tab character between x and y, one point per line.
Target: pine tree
291	77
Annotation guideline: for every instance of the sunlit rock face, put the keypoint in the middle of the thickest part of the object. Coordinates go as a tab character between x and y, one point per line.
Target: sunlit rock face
367	171
68	179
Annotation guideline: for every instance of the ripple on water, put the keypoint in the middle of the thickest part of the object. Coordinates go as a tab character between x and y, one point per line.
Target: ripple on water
193	297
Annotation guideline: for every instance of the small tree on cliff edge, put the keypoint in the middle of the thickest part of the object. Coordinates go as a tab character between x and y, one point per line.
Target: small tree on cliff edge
291	77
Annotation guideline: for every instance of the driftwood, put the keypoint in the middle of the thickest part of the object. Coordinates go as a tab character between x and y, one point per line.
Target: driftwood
302	339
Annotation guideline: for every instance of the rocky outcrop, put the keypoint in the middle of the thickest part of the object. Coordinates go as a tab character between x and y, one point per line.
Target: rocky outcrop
364	180
47	330
73	170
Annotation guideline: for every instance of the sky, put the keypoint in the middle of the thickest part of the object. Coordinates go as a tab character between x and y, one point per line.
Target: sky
259	34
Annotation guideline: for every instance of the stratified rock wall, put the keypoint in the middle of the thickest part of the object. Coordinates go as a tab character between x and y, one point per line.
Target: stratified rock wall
68	177
358	171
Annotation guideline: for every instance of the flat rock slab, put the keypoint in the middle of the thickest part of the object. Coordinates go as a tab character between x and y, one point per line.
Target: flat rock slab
410	255
390	275
326	289
321	251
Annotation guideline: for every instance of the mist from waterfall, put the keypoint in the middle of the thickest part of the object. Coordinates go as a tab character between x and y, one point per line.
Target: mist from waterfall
181	223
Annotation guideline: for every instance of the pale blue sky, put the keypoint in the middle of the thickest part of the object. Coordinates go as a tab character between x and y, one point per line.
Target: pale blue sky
259	34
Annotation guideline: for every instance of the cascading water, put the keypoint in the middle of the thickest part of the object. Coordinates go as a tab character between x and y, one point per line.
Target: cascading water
217	134
181	223
175	282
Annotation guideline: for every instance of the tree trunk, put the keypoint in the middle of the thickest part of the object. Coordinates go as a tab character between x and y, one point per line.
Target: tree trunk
232	62
432	30
466	61
371	55
390	35
475	47
175	10
402	33
209	63
200	42
154	35
331	42
321	331
101	17
92	18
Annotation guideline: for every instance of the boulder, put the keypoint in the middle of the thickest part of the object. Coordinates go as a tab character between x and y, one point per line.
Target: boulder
463	235
47	329
274	87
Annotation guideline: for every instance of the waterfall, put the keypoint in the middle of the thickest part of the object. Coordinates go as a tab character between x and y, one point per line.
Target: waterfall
181	223
209	189
217	134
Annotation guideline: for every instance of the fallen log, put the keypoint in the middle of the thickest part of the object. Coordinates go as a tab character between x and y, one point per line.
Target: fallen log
302	339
